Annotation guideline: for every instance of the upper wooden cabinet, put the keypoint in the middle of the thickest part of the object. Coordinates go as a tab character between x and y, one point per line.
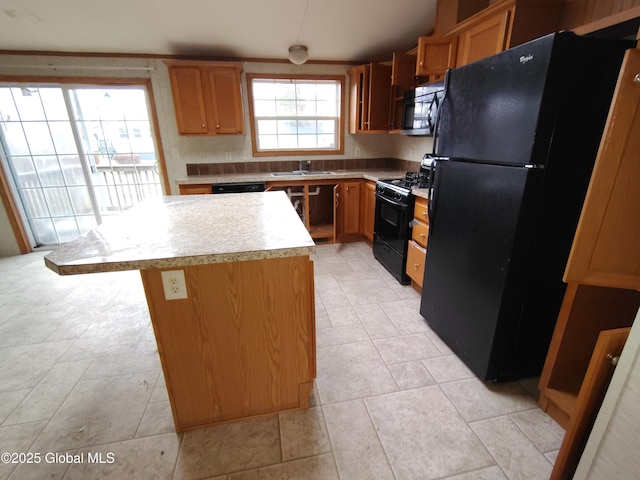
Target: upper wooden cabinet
436	54
606	246
451	12
502	25
485	38
370	90
207	97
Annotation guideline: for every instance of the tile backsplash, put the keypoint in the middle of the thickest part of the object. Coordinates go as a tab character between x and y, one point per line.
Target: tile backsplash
316	165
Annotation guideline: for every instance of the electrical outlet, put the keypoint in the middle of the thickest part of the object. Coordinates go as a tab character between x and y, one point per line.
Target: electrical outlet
357	152
227	156
174	285
246	155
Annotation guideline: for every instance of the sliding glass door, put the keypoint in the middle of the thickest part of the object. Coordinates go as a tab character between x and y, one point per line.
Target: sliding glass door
76	155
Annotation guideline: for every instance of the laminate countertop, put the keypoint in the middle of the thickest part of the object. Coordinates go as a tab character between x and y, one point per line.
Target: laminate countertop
373	175
178	231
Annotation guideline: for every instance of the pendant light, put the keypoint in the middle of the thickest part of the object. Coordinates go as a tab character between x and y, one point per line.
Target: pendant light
299	54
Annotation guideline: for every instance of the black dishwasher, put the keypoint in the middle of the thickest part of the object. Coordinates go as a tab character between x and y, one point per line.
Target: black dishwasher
238	187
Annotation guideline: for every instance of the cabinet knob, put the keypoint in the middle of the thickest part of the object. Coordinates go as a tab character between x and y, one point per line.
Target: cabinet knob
422	64
424	214
636	79
204	125
613	358
347	189
416	265
217	126
422	235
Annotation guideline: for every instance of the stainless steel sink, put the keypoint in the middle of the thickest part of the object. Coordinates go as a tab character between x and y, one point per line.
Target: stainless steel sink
301	172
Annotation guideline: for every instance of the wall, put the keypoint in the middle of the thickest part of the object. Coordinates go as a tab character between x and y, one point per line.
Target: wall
180	150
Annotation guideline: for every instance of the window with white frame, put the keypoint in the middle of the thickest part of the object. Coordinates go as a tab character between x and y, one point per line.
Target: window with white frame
296	114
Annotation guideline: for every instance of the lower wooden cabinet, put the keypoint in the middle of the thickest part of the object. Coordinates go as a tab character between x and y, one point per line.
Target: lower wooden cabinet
369	209
417	248
195	189
416	257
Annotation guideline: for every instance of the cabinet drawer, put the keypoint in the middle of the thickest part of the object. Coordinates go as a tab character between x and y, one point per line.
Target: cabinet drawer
421	210
416	257
195	189
420	234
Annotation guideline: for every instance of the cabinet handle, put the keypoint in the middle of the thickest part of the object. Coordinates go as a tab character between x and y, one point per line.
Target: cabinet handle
204	125
416	265
347	189
424	214
422	64
422	235
217	126
636	79
614	359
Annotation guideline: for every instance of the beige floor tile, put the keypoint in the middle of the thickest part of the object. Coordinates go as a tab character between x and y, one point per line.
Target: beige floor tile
24	366
322	317
375	321
491	473
515	453
17	439
374	290
406	348
411	375
357	449
335	301
448	368
477	400
424	436
439	343
99	411
354	370
340	335
10	400
93	347
144	458
45	399
230	447
540	428
303	433
116	365
343	316
552	456
28	328
314	468
405	315
157	419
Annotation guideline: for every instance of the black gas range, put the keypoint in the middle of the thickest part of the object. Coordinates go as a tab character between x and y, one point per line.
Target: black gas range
394	212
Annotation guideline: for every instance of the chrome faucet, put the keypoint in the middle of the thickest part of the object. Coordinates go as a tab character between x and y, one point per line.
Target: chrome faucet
304	168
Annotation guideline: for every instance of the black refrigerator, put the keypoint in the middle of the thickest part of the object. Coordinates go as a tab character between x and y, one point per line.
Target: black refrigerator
517	137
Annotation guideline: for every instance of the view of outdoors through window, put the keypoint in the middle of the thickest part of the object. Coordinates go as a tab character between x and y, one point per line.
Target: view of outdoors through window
76	155
293	114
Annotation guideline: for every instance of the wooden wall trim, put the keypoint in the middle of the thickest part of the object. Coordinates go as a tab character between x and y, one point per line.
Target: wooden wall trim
10	206
586	16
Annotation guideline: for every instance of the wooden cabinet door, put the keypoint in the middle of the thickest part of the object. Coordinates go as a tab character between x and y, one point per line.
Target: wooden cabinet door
188	100
358	98
223	97
436	54
369	209
486	38
596	381
403	70
350	199
606	247
379	97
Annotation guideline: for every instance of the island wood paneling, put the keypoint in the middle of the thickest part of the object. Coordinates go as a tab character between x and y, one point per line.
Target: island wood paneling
241	345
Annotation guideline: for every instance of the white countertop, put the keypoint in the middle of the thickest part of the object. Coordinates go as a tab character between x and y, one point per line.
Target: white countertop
175	231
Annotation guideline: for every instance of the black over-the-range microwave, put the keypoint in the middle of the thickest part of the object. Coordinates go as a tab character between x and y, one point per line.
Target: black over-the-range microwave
421	109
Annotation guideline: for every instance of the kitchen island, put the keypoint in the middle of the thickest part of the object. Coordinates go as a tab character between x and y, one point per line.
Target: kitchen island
236	337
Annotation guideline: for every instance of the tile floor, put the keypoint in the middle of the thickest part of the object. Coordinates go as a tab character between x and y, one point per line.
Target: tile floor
79	375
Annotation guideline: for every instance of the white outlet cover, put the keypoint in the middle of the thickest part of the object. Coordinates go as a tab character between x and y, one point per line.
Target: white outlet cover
174	284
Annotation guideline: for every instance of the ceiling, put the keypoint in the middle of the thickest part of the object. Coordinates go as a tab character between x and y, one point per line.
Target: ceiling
333	30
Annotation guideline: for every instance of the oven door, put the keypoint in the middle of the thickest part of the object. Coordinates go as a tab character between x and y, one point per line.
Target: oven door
392	223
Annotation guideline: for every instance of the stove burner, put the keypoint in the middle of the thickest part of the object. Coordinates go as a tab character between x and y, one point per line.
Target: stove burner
410	180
